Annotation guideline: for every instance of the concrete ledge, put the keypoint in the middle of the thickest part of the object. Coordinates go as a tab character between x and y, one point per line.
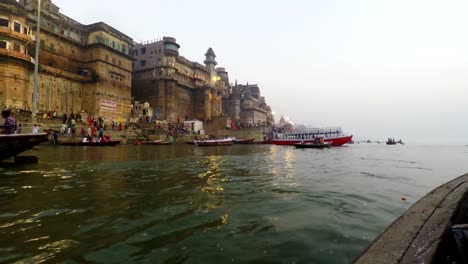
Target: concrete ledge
416	235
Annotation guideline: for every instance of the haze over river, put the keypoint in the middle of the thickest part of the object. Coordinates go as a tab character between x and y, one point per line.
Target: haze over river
188	204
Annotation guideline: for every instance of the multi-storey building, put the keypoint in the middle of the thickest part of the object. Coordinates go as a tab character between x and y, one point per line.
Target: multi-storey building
246	105
81	67
175	87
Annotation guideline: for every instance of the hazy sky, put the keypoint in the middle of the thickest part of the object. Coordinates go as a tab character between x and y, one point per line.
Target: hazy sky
376	68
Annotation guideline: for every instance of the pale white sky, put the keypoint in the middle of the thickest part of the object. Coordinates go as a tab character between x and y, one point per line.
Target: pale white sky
376	68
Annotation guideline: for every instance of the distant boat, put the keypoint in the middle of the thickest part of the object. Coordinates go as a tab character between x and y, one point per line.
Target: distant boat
333	135
91	143
392	141
155	142
14	144
214	142
313	145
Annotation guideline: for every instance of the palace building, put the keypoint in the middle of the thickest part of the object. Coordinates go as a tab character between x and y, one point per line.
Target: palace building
175	87
245	104
82	68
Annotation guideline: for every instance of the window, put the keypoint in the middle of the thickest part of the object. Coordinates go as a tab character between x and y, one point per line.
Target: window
4	22
143	51
113	44
106	58
120	63
3	44
113	61
17	27
16	47
25	30
52	47
106	41
143	63
96	40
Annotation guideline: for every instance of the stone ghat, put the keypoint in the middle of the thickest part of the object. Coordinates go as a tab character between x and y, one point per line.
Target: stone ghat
132	133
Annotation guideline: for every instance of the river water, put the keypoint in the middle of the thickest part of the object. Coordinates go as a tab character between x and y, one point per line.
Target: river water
188	204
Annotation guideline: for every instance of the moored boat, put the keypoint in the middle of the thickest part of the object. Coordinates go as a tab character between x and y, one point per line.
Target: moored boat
313	145
332	135
244	141
155	142
214	142
91	143
14	144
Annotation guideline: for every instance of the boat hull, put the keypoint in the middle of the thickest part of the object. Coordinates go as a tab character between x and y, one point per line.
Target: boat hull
312	145
152	142
213	143
334	142
244	141
93	144
14	144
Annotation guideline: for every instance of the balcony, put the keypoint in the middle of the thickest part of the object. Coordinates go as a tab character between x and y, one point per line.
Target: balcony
15	54
16	35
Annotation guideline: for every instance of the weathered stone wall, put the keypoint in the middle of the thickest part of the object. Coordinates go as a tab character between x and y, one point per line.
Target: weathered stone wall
15	84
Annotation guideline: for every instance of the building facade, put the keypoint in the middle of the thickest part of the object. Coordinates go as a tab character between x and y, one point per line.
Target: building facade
176	88
245	104
82	68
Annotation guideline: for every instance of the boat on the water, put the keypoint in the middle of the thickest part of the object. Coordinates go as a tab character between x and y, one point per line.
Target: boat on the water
433	230
155	142
333	135
214	142
244	140
313	145
91	143
391	141
14	144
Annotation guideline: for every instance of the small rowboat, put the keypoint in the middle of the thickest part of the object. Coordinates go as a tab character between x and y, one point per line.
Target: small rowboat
214	142
156	142
313	145
244	141
91	143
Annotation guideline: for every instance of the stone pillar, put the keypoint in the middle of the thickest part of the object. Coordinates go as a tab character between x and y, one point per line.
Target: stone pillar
208	99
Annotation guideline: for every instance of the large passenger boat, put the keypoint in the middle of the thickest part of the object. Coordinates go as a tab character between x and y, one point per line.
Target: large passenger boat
333	135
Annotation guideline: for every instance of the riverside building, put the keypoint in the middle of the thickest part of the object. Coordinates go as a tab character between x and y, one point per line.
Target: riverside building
245	104
82	68
176	88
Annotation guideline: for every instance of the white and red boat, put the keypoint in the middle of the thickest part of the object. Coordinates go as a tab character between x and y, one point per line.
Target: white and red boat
333	135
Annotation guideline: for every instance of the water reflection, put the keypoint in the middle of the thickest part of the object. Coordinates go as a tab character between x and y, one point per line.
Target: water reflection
133	204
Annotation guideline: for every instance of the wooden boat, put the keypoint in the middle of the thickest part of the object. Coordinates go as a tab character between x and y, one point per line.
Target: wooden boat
433	230
14	144
333	135
214	142
91	143
155	142
313	145
244	141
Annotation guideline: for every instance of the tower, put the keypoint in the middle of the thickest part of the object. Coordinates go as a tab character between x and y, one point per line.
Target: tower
210	62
